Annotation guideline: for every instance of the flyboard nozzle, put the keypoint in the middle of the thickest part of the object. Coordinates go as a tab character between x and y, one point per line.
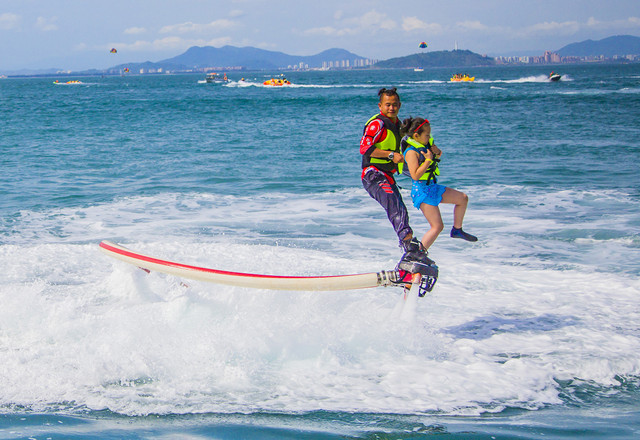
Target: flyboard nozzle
427	269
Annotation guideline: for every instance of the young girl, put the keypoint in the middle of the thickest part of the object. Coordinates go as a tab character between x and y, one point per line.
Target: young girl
421	159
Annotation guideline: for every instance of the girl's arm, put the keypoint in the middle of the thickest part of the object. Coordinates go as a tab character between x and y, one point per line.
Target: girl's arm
416	170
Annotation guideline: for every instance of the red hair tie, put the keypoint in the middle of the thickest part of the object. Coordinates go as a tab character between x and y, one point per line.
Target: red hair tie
426	121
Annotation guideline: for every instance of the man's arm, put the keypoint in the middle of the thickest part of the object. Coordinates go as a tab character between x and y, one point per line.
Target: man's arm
375	132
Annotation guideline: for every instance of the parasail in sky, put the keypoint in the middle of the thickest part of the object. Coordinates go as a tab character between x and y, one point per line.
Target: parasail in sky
113	50
423	45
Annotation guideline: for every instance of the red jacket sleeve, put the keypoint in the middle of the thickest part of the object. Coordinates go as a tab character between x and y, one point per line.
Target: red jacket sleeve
373	133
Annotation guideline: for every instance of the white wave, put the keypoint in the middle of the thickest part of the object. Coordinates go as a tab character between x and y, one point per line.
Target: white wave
629	90
432	81
510	316
260	84
525	79
600	92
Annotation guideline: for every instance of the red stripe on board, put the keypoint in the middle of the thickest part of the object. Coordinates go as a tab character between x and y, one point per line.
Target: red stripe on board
141	257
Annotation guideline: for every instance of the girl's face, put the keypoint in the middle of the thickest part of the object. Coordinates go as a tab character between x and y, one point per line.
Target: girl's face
424	135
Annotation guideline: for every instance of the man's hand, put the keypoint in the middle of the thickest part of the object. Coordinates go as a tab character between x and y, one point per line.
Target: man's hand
398	158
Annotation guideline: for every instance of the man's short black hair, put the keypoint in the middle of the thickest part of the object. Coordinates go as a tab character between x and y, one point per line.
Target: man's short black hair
388	92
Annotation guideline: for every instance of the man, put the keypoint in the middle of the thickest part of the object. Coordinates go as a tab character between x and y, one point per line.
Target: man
380	149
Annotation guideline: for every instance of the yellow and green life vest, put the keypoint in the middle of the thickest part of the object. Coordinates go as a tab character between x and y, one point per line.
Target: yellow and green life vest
409	143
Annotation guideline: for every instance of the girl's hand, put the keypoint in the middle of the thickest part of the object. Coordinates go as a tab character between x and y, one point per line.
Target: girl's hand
436	150
427	155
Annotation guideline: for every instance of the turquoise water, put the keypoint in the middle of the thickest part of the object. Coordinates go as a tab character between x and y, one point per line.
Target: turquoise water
530	333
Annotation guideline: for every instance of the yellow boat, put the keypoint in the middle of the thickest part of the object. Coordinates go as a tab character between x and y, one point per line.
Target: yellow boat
460	77
276	82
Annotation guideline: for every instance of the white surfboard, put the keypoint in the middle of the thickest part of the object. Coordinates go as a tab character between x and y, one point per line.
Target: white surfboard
258	281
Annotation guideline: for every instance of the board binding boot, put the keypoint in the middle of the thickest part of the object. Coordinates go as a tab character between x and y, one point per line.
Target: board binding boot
413	261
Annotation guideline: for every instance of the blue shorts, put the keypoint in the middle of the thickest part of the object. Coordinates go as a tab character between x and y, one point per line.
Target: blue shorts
431	194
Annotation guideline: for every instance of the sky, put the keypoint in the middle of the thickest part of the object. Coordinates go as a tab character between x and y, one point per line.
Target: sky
78	34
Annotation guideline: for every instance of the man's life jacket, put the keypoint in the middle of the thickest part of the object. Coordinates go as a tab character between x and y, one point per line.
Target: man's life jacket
390	143
409	143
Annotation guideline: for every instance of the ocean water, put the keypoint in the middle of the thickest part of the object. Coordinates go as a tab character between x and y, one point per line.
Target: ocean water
532	332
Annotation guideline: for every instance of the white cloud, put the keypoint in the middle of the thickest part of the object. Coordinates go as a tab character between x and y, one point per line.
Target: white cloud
167	43
472	26
47	24
629	23
236	13
216	42
365	23
266	46
543	29
329	31
374	19
410	24
159	44
413	24
592	22
547	28
135	30
553	27
9	21
190	27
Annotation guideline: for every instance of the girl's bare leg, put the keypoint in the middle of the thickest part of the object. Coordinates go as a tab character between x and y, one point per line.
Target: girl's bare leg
432	214
459	199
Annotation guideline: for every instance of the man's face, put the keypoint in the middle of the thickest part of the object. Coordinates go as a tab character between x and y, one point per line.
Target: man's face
389	106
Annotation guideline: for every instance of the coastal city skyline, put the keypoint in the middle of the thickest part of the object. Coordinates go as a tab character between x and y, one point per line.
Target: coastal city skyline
78	35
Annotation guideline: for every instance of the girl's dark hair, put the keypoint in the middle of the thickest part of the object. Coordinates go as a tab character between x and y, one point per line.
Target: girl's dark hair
411	125
388	92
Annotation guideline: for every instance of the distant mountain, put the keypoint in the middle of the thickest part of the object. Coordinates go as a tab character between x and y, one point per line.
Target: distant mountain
249	58
444	58
253	58
31	72
618	45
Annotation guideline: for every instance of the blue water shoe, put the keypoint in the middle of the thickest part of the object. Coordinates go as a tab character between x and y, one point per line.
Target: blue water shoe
459	233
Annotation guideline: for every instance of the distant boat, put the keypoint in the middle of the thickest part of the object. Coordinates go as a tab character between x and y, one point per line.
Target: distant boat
277	82
216	78
418	69
554	76
460	77
74	81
